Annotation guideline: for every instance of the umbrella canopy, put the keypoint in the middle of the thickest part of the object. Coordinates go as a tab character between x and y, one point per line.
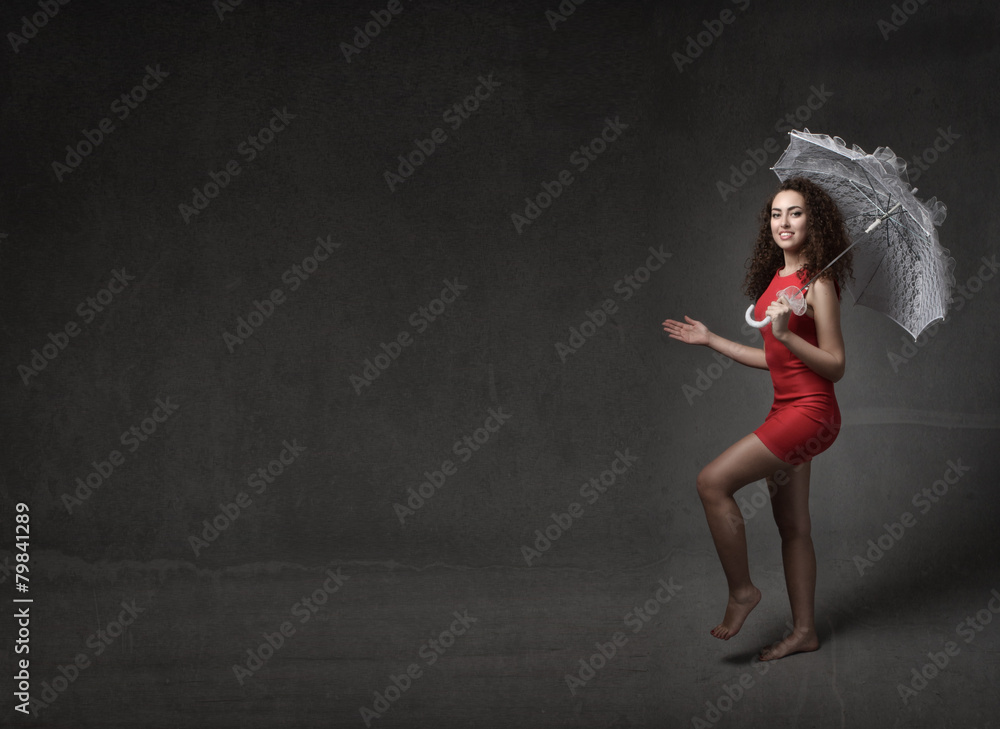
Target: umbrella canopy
900	267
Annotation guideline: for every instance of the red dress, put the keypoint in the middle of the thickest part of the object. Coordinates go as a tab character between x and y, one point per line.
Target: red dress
804	419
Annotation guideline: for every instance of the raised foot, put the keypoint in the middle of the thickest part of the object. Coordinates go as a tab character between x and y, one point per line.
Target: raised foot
736	613
800	641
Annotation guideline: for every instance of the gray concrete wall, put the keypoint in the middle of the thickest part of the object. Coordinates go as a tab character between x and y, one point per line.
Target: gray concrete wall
546	87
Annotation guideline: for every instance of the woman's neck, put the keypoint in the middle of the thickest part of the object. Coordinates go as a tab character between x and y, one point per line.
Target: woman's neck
792	265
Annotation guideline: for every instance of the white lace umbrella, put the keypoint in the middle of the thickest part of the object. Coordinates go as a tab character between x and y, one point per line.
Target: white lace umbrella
900	268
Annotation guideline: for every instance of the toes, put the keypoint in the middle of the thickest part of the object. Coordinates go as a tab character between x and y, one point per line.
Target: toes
720	632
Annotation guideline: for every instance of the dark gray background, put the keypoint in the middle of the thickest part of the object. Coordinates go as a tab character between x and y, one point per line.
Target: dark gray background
494	347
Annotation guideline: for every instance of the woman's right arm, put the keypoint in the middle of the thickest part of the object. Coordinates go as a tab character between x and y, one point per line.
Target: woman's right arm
750	356
694	332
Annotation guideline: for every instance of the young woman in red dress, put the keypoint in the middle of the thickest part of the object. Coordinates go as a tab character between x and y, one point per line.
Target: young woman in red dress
801	231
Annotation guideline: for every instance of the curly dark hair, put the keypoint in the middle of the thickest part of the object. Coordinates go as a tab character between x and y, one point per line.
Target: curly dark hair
827	237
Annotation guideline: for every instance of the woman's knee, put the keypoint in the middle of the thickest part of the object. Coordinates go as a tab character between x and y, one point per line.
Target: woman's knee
710	487
791	528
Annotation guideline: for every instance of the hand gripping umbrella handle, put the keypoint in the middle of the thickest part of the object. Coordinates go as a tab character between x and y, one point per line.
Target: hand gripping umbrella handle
753	322
796	299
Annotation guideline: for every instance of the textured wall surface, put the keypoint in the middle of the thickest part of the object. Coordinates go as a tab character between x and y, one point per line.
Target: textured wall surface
236	237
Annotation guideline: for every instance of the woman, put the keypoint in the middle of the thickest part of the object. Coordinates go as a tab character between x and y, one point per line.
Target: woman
801	231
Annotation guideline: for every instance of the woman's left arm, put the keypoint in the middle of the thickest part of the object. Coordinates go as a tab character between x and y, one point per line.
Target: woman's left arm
827	359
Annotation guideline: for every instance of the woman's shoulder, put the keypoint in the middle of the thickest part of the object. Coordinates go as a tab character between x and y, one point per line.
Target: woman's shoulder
826	284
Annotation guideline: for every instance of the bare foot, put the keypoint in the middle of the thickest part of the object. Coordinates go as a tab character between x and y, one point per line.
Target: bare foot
800	641
736	612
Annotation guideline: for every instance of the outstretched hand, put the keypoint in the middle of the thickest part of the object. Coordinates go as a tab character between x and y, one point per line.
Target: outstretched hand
694	332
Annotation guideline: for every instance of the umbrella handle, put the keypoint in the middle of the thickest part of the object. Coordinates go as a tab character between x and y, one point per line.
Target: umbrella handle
796	299
753	322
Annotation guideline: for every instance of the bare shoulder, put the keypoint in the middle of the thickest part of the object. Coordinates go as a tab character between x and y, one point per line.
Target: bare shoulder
824	284
823	289
822	301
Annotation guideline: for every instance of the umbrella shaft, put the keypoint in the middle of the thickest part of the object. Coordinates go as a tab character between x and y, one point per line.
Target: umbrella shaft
869	229
880	218
829	264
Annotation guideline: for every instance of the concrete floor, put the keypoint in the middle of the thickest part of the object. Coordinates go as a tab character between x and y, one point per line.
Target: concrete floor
173	666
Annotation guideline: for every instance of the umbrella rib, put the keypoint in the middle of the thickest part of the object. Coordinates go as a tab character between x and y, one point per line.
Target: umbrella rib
862	287
858	215
865	195
882	211
902	226
888	195
870	278
874	192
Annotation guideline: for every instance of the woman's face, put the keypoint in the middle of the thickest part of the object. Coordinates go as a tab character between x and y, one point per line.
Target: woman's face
789	222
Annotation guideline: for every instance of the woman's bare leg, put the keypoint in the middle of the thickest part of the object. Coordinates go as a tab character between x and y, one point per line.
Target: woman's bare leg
744	462
790	505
